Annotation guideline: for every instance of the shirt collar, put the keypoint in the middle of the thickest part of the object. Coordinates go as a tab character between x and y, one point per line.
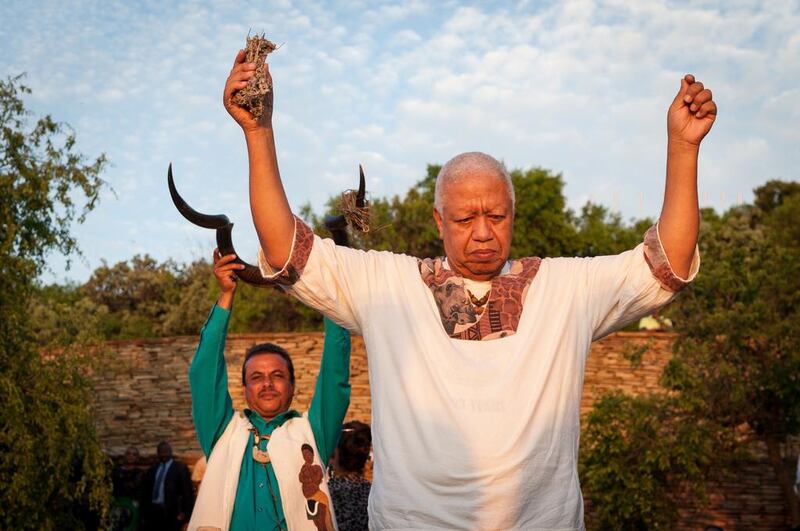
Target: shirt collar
505	270
266	427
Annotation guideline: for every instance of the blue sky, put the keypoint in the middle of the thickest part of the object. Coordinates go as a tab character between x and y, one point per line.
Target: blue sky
578	87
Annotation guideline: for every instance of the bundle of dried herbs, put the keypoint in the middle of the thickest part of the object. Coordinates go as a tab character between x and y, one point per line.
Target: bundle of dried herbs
356	216
252	96
354	205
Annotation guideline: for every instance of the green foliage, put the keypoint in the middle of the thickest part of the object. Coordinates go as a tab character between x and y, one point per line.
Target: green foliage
634	352
143	298
60	316
601	232
736	364
137	295
401	225
640	456
543	226
738	354
270	310
737	359
53	473
771	195
542	223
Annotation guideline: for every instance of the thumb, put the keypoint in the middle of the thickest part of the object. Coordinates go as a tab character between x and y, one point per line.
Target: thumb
678	101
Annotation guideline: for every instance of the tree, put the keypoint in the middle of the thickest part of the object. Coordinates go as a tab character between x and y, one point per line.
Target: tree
641	457
737	358
140	297
771	195
401	225
601	232
137	293
543	225
736	365
53	473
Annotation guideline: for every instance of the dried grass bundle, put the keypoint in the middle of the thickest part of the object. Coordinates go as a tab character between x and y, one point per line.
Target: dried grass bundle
252	96
357	217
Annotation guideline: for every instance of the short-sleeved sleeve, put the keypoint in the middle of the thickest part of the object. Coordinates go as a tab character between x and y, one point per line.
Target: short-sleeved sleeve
628	286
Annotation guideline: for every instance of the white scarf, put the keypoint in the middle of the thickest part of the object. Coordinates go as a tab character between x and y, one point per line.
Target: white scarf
217	494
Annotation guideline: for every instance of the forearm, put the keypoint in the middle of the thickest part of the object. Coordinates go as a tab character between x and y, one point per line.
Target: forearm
680	215
212	406
272	215
332	394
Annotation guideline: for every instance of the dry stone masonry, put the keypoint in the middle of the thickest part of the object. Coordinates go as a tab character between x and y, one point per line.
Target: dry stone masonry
142	397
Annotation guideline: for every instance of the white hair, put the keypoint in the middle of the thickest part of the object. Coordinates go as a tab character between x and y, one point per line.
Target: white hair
466	164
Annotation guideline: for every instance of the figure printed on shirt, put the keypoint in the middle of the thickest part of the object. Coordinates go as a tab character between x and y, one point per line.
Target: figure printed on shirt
317	503
451	298
498	316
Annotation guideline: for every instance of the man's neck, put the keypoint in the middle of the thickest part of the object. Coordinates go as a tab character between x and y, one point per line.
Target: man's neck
467	275
251	413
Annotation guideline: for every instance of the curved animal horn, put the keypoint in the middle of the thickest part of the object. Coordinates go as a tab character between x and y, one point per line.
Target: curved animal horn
250	274
207	221
362	188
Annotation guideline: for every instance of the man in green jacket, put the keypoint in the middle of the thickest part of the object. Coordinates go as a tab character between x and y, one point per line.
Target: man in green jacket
253	478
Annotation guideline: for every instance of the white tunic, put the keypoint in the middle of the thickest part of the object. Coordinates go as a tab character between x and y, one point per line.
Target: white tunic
477	434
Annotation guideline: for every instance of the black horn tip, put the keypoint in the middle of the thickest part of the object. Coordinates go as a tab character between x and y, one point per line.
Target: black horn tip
362	187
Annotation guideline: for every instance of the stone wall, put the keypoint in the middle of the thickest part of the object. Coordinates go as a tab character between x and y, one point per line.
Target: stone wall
143	398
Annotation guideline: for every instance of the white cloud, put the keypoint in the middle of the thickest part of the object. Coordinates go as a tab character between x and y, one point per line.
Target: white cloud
580	87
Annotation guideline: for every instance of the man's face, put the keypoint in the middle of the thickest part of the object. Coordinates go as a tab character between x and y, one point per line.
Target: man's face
131	456
268	389
476	224
164	453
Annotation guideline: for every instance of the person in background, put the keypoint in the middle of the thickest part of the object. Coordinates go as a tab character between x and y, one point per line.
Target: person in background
349	488
127	479
167	495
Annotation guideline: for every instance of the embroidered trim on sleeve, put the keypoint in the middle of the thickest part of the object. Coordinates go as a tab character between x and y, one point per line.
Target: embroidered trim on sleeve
657	259
302	243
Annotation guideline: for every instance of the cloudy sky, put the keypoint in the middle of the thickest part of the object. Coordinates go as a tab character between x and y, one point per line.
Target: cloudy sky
578	87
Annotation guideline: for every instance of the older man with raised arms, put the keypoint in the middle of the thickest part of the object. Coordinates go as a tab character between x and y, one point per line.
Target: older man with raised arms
476	361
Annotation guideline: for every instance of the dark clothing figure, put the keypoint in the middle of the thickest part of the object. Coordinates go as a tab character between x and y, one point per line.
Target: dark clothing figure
167	496
127	481
350	495
348	487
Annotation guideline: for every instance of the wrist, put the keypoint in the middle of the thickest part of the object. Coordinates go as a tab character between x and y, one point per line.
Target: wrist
683	146
225	300
257	134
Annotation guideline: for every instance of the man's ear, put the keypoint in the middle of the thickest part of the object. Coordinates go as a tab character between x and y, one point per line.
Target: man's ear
438	218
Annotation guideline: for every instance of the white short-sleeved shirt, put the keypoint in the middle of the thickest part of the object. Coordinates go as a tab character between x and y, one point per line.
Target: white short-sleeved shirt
476	434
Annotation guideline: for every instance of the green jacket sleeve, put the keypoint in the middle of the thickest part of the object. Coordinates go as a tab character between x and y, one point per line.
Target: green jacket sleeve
212	407
332	394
